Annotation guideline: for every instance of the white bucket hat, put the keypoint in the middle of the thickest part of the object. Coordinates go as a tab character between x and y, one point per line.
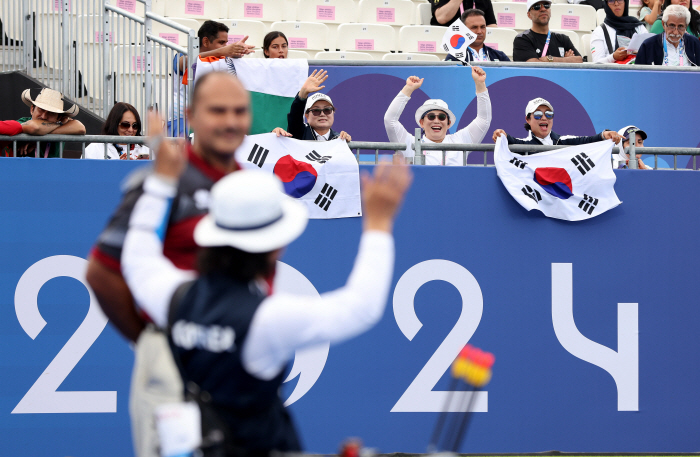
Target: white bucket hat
49	100
316	97
250	211
533	104
434	104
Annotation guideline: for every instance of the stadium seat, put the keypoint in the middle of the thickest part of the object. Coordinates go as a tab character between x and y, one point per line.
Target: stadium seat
238	28
586	47
573	17
423	14
292	54
600	16
170	34
330	12
410	56
389	12
376	39
290	10
257	10
421	38
197	9
575	40
342	55
158	7
304	35
512	15
501	39
186	22
129	66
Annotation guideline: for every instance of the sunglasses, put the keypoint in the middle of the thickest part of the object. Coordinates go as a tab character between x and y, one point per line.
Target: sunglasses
538	115
126	125
537	7
432	116
317	111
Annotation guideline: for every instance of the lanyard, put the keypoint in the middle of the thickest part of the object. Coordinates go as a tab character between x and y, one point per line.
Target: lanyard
680	51
546	43
461	6
476	54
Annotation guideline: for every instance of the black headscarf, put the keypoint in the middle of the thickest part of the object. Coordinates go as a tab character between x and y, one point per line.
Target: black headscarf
623	25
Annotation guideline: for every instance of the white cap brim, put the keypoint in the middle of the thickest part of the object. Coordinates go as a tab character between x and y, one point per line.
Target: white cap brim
279	234
426	108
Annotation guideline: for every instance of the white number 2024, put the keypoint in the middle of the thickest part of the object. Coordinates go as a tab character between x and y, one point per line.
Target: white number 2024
43	396
420	397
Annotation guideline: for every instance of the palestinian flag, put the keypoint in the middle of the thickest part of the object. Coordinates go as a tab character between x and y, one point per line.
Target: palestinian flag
272	83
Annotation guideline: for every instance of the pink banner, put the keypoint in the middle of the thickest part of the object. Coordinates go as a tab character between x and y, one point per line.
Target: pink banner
506	19
171	37
298	43
254	10
427	46
492	45
569	22
235	38
364	45
325	12
386	15
194	7
138	63
127	5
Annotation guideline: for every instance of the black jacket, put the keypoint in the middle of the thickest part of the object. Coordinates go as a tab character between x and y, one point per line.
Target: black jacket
492	54
652	50
558	140
296	125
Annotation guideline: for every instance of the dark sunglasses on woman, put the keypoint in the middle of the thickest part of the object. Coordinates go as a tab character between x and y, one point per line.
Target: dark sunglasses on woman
317	111
538	115
432	116
126	125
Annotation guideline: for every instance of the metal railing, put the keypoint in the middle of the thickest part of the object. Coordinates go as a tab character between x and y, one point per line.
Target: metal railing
416	157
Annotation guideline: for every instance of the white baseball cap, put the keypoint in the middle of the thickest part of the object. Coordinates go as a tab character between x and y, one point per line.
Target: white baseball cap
316	97
250	211
434	104
533	104
532	2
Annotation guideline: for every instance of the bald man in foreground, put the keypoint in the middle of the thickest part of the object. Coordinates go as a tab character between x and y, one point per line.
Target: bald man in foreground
220	117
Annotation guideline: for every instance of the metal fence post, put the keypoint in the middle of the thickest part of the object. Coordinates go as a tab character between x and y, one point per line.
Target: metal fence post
66	48
28	41
149	66
418	146
632	155
106	62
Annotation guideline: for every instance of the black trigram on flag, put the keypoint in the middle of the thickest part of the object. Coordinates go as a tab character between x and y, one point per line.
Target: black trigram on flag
583	163
532	193
518	163
325	198
258	155
459	55
588	204
316	157
446	48
455	28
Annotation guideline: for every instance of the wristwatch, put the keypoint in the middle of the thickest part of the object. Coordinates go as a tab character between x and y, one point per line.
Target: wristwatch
550	58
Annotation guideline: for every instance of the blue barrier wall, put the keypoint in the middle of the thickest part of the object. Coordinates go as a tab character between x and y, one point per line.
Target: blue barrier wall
541	397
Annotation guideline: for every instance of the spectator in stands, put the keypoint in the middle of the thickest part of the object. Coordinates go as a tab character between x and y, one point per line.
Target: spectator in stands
445	12
639	137
539	118
275	45
610	39
317	109
434	117
213	42
539	44
123	120
649	12
694	24
50	113
674	47
475	21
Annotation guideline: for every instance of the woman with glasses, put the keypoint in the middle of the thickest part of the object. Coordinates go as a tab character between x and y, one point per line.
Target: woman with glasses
539	118
123	120
435	118
316	109
610	39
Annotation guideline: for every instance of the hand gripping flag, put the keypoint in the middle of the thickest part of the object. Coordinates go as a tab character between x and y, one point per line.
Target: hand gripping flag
572	184
324	175
456	40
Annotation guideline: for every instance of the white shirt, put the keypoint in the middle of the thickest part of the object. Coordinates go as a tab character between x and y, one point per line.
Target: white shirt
97	151
545	141
674	58
599	48
283	322
320	137
473	133
478	56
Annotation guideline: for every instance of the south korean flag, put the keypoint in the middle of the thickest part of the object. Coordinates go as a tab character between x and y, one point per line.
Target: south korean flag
456	40
572	184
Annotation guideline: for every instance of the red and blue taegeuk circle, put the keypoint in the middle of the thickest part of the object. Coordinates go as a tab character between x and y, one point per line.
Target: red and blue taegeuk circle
457	41
556	181
297	177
